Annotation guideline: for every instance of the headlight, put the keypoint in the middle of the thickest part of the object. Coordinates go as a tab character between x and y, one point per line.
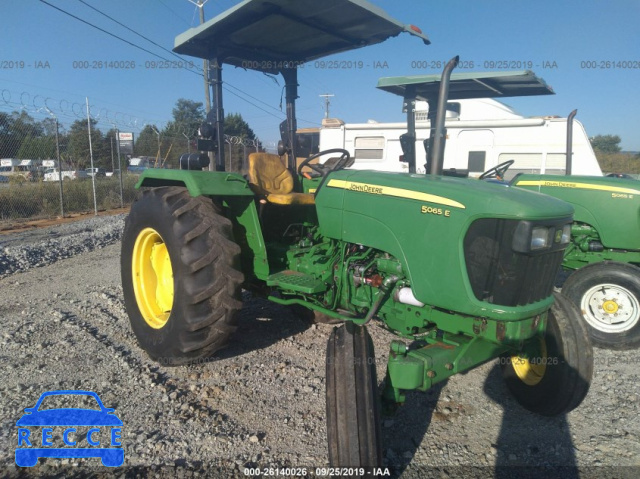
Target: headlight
566	234
530	237
539	238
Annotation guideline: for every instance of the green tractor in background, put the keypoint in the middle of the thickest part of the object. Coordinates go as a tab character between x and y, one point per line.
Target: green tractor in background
604	254
461	271
602	261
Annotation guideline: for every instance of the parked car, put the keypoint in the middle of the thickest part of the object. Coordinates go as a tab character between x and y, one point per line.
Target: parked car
53	174
97	172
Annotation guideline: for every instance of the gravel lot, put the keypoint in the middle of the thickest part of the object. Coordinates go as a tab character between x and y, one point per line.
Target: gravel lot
261	401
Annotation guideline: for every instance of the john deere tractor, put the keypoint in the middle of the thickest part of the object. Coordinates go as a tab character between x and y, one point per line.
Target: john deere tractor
461	271
601	263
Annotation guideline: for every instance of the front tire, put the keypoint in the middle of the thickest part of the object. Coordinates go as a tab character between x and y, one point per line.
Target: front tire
180	276
353	407
553	373
608	295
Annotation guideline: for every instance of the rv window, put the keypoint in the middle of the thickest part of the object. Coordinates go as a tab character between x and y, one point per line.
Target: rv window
369	148
477	161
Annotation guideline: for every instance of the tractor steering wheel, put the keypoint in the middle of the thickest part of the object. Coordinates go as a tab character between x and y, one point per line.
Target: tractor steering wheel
342	162
497	171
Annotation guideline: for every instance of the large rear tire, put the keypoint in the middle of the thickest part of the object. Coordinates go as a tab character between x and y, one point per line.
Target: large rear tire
180	275
608	295
353	406
554	375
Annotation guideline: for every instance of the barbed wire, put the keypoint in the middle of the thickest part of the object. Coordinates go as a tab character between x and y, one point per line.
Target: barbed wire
63	109
69	110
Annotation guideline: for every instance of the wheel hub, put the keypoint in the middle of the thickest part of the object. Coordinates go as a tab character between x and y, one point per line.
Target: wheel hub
531	366
610	308
152	278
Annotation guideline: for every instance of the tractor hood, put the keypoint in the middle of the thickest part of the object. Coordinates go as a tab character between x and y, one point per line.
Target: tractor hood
460	196
610	205
268	35
424	220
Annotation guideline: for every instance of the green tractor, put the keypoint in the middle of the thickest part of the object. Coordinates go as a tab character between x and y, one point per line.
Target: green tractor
602	262
461	271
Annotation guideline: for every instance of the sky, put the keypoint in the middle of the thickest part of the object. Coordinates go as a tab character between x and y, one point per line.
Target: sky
588	51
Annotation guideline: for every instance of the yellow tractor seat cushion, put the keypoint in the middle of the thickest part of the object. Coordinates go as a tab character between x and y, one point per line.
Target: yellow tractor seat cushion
292	199
268	175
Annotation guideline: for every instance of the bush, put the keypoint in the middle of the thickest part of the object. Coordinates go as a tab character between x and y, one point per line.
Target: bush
618	162
27	200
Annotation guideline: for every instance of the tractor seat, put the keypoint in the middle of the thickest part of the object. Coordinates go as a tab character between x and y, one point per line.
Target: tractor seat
269	177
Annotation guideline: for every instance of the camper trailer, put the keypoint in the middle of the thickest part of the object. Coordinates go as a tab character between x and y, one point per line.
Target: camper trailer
29	170
481	133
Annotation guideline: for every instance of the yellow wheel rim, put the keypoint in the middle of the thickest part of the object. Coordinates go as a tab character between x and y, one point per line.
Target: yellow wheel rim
531	369
152	278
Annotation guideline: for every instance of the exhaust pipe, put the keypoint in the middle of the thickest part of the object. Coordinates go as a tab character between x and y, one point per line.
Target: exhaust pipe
438	134
569	163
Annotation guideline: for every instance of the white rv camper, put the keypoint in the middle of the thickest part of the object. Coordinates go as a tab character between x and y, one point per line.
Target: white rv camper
481	134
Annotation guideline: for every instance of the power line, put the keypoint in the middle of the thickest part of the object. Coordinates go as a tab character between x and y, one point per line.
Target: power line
253	97
113	35
253	104
174	12
159	56
131	30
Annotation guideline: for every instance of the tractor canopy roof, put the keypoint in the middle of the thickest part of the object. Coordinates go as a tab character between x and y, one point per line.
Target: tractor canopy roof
263	34
468	85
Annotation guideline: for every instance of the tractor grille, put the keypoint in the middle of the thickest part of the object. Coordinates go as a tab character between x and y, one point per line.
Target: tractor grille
498	274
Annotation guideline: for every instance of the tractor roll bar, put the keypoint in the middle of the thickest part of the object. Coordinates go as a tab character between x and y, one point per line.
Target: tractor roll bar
215	67
569	163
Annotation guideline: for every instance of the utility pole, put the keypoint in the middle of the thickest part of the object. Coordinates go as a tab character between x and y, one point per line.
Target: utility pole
327	102
205	71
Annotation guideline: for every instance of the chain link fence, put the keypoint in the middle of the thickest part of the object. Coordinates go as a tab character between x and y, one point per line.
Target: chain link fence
31	188
59	157
39	180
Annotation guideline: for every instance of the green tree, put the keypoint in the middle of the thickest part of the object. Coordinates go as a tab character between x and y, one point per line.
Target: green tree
16	127
606	143
234	125
37	148
188	115
78	146
147	142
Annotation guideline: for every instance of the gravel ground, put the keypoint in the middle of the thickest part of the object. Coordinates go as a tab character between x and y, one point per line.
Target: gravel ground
261	401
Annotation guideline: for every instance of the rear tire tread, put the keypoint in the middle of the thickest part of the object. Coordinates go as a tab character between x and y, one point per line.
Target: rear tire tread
205	261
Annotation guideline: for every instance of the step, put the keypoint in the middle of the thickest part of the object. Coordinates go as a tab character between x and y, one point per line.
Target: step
296	281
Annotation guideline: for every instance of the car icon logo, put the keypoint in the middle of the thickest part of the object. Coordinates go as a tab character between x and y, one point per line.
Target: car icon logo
69	432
